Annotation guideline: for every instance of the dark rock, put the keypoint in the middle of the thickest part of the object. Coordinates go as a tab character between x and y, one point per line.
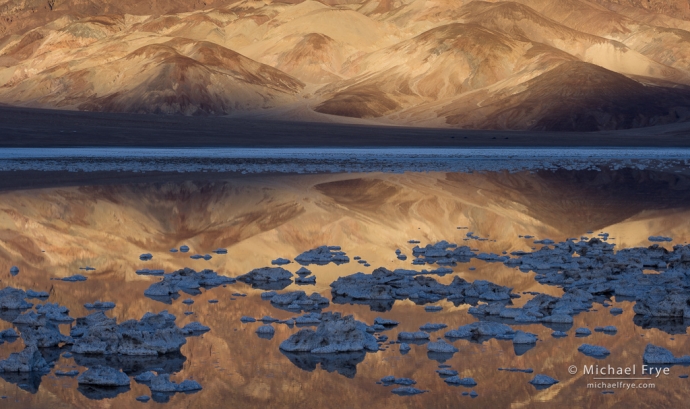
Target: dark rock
280	261
147	272
74	278
594	351
100	305
37	330
28	360
54	312
67	373
13	299
162	383
334	334
103	376
482	331
194	328
186	280
458	381
542	381
303	271
583	332
36	294
344	363
418	337
95	392
407	391
154	334
299	301
311	280
432	327
268	278
385	286
323	255
656	355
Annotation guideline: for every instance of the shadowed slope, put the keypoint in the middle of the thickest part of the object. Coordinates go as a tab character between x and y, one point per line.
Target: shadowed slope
576	96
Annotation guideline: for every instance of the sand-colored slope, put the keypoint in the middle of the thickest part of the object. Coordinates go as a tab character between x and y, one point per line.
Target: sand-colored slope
582	15
439	64
174	76
315	58
22	15
677	8
643	15
518	20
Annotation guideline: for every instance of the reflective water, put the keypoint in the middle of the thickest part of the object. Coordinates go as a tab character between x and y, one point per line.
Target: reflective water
336	160
51	233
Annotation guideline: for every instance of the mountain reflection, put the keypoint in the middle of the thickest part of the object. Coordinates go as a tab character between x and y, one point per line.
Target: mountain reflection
51	233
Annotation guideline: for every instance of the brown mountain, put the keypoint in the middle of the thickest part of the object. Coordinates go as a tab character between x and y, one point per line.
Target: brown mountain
522	64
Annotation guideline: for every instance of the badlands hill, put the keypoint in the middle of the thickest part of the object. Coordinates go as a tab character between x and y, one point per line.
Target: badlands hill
558	65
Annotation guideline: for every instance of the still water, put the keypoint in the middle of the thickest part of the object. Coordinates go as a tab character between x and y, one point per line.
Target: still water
52	232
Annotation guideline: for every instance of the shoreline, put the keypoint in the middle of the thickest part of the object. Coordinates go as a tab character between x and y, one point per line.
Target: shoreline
28	127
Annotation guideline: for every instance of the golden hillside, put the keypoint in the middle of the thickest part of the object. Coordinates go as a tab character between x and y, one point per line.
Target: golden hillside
523	64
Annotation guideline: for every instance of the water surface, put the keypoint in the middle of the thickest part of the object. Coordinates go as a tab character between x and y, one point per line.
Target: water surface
51	233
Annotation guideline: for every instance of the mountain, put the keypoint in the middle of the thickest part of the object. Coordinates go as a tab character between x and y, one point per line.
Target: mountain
518	65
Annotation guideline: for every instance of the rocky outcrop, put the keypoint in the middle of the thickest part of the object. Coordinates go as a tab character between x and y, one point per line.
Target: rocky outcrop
267	278
482	331
443	253
54	312
195	328
162	383
335	334
154	334
323	255
28	360
298	301
103	376
656	355
186	280
386	285
37	329
543	381
13	299
590	270
594	351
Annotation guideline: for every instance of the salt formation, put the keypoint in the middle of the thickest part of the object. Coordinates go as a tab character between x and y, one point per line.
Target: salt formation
334	334
299	301
154	334
323	255
267	278
386	286
28	360
656	355
186	280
